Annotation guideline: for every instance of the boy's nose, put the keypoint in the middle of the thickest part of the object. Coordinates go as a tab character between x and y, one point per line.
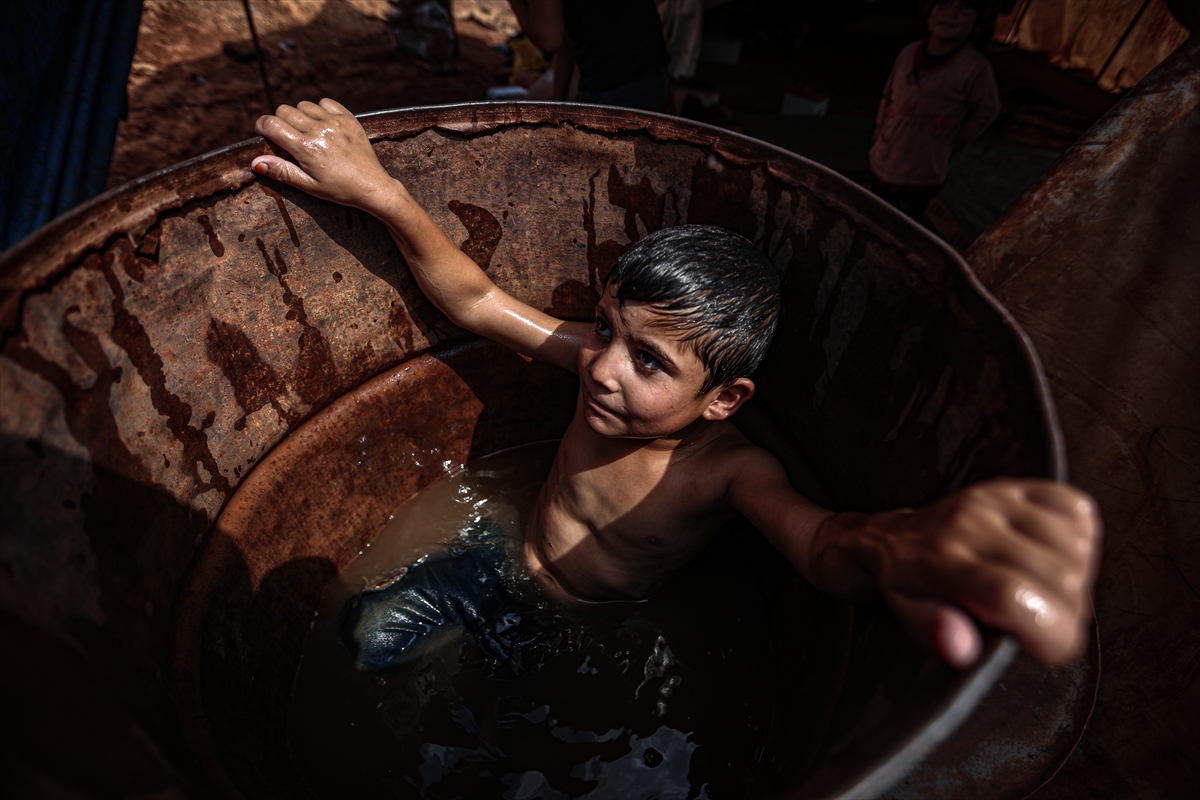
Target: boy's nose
604	368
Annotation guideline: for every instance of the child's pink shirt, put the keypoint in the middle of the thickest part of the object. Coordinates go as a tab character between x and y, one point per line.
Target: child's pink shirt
921	119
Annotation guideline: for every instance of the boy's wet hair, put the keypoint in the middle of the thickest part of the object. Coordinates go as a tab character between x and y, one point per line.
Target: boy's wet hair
721	292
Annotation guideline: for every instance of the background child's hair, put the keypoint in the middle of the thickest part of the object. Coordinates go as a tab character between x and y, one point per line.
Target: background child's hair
985	16
720	291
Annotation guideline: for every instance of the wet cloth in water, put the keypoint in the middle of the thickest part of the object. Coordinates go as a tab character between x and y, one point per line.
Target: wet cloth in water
384	625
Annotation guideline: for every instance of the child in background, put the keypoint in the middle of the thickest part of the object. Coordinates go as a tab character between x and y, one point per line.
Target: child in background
650	464
941	94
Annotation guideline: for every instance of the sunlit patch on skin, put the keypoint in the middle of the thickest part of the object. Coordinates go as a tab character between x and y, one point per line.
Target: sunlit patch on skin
1043	615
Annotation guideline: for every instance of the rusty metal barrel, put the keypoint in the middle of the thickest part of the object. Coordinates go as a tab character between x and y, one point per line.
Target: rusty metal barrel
193	364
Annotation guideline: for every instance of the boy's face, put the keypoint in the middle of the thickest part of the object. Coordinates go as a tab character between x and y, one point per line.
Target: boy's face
951	22
639	380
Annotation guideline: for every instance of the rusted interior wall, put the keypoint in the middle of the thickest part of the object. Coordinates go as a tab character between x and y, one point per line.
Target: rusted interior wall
158	343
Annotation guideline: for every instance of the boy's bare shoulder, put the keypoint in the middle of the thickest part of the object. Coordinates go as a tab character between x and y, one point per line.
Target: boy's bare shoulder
732	455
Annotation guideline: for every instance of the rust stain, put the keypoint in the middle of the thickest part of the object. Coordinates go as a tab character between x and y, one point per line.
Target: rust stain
128	332
483	232
572	300
214	241
255	383
638	199
87	411
317	372
601	256
149	246
283	212
400	326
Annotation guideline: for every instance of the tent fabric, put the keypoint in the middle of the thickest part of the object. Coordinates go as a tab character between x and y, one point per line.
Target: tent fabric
1115	43
66	66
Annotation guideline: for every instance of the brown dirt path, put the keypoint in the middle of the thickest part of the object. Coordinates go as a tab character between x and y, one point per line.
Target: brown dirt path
186	97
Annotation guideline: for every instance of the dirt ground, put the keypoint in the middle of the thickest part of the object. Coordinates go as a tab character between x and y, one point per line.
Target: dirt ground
187	97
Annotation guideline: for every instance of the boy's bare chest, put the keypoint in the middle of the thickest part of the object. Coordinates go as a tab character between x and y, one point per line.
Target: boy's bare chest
639	492
614	521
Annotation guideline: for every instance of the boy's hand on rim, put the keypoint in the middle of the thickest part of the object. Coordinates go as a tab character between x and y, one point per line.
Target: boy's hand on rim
1019	555
334	157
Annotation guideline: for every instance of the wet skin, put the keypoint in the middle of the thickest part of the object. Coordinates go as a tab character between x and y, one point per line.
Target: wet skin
649	465
639	482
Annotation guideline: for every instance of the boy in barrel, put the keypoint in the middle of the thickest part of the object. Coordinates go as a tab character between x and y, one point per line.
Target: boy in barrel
651	464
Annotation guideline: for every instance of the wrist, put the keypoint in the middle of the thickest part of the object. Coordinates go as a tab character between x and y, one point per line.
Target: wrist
840	558
388	200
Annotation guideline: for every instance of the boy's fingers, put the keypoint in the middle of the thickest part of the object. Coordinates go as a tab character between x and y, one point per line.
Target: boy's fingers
312	110
278	131
282	171
1049	619
1040	544
334	107
1077	507
1049	624
303	123
943	629
1059	496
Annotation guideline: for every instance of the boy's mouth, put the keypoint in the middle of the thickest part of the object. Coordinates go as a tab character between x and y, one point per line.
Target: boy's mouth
596	406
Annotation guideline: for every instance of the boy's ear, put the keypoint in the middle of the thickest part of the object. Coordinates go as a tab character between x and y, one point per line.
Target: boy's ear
729	399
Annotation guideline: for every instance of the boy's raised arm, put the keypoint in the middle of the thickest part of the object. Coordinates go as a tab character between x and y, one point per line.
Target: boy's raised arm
1019	555
335	161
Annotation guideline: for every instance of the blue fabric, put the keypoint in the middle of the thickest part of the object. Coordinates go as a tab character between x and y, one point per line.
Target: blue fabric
62	91
385	625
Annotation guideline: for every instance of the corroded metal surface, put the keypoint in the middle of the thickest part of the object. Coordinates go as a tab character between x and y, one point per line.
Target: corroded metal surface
266	567
1099	262
158	343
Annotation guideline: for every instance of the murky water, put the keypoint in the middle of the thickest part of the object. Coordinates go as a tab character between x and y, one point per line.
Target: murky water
692	694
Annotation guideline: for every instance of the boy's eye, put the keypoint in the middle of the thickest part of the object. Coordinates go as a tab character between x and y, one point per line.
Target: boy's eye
647	361
602	328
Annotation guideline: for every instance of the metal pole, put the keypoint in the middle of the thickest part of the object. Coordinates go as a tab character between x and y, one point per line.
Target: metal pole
262	58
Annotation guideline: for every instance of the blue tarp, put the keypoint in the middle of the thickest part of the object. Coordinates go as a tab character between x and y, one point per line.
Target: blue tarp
62	92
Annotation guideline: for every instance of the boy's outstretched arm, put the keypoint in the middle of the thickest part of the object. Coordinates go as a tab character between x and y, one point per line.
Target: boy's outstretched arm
335	161
1019	555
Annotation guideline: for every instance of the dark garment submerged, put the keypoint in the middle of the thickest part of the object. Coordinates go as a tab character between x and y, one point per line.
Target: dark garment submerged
617	42
386	625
